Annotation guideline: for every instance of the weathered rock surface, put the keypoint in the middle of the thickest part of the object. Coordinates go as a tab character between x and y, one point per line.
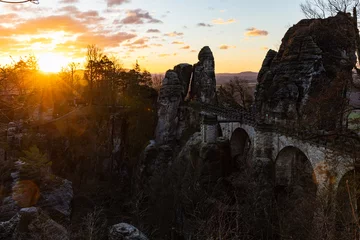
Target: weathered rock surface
203	83
51	194
176	121
32	224
315	56
7	228
184	72
169	100
56	201
124	231
8	209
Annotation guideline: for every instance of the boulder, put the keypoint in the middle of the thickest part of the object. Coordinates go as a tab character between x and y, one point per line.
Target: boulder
124	231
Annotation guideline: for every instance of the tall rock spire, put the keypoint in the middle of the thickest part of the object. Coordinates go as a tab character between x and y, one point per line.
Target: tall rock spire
203	84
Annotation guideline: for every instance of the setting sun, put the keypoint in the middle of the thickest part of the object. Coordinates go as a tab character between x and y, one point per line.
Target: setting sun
52	62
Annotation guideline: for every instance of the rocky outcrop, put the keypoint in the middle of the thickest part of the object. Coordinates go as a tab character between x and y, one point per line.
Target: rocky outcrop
51	193
316	57
177	137
56	199
175	120
8	209
184	71
203	83
169	100
32	224
124	231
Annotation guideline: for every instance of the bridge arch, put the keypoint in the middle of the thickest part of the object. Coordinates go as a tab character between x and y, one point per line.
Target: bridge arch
295	191
240	145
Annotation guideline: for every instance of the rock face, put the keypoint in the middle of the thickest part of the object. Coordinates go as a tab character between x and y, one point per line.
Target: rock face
173	118
124	231
203	84
184	72
32	223
316	55
169	100
56	201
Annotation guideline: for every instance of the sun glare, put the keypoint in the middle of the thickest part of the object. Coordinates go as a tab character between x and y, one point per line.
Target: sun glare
52	62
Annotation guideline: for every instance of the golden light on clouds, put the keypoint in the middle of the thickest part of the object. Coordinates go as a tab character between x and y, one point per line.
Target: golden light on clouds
225	47
254	32
222	21
57	34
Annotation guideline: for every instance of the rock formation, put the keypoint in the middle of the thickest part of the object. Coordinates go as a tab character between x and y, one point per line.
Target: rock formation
169	100
174	119
32	224
37	208
316	55
203	83
126	232
184	71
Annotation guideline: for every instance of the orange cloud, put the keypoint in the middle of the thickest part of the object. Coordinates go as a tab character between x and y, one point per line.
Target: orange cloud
174	34
8	43
185	47
105	40
40	40
225	47
253	32
164	55
9	18
50	24
222	21
140	41
176	42
156	45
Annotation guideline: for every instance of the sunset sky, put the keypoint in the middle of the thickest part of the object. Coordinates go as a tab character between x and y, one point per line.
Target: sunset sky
157	33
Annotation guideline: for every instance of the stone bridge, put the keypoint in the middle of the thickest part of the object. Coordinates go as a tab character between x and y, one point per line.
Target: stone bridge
293	159
286	150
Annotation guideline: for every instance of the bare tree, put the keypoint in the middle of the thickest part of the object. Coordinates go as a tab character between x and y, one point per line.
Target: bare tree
156	81
236	93
325	8
93	56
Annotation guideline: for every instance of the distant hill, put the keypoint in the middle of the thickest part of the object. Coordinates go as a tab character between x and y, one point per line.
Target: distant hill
250	77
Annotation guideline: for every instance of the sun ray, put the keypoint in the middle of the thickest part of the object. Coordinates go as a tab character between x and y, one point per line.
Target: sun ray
52	62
